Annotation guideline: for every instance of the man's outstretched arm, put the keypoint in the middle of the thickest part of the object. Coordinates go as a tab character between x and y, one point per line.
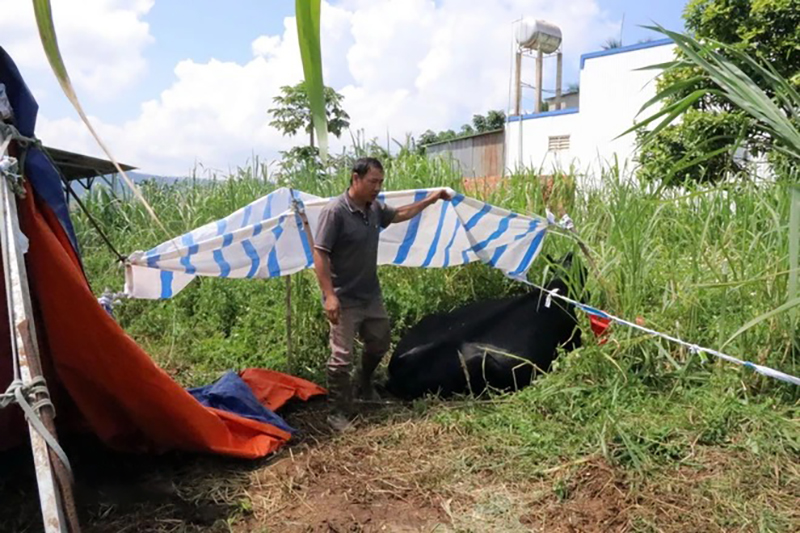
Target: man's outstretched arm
409	211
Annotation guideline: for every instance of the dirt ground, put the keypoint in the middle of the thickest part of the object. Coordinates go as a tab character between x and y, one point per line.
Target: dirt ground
398	472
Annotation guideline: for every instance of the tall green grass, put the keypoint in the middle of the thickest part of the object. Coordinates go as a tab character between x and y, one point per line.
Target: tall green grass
697	264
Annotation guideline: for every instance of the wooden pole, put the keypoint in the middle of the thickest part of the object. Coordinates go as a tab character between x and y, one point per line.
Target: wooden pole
53	480
307	230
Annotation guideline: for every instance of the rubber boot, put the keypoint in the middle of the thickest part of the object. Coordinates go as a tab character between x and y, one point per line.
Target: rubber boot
340	397
366	390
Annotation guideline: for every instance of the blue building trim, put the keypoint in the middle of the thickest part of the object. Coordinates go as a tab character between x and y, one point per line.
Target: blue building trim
623	49
570	111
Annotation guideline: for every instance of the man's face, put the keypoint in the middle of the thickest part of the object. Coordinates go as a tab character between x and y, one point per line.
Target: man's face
368	187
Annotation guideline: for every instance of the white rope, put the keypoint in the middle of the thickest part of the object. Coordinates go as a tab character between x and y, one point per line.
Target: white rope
21	394
10	167
693	348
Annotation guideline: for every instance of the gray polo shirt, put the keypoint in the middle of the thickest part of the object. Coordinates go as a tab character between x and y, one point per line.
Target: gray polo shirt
350	236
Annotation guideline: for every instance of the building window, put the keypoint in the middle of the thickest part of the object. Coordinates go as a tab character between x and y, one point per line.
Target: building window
557	142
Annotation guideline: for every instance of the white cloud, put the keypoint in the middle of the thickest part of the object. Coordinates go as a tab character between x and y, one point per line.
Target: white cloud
101	41
266	45
403	66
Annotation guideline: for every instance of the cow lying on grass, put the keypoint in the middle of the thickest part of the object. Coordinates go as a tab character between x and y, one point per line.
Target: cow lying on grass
500	343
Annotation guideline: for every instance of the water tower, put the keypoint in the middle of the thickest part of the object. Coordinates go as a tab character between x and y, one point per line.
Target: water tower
537	38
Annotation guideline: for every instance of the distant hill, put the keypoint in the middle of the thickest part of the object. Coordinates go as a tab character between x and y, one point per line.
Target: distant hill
138	178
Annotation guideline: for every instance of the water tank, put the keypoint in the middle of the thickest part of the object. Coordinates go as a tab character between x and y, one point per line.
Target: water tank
538	35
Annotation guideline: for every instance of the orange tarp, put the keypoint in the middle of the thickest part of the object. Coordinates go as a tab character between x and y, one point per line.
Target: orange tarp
102	381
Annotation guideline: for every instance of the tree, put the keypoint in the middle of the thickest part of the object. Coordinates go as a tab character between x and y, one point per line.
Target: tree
699	134
479	121
427	138
492	121
767	30
293	112
495	120
447	135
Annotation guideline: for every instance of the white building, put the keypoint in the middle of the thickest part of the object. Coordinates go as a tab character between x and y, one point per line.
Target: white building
612	92
568	100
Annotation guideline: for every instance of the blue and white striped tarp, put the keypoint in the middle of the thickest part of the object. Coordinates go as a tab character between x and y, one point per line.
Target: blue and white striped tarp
265	239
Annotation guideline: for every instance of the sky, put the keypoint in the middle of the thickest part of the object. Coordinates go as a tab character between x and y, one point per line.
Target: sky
175	86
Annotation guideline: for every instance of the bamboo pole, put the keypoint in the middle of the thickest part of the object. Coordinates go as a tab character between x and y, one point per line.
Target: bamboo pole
307	229
289	356
794	245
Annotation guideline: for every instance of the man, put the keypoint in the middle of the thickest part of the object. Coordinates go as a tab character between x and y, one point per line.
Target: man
345	260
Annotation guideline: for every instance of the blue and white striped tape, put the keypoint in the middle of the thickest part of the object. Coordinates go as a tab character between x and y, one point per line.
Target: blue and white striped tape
693	348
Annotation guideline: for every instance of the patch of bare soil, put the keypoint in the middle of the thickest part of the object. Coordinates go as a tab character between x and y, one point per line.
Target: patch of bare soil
387	475
191	493
718	491
400	472
310	497
591	500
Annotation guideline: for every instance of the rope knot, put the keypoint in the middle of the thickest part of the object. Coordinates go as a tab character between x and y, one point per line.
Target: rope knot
565	223
9	396
549	300
25	394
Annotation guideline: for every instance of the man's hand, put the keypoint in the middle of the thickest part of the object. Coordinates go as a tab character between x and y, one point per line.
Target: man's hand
441	194
407	212
332	308
322	266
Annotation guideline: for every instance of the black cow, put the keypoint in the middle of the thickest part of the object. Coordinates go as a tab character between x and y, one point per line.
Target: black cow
501	343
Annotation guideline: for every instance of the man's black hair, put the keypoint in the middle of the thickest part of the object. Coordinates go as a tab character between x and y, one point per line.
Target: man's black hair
363	164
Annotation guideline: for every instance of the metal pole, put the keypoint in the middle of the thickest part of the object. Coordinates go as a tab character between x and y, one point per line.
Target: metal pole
518	84
558	79
53	480
28	358
539	66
